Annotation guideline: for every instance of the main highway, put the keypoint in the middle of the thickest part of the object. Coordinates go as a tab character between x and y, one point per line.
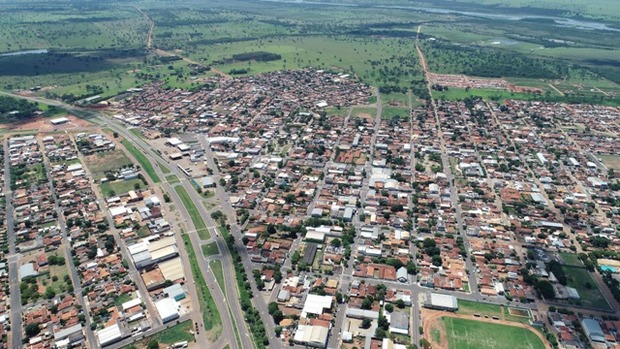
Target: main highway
229	300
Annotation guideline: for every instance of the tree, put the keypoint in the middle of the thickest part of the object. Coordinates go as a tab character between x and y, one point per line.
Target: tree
49	293
32	330
389	308
366	323
277	316
367	303
400	303
545	289
271	229
153	344
336	243
272	307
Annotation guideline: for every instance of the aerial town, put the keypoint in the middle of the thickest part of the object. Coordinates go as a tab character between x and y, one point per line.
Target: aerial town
296	208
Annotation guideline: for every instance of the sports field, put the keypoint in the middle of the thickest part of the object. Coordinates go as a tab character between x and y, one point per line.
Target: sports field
470	334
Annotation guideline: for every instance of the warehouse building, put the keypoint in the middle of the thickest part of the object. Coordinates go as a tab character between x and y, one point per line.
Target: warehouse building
312	336
109	335
168	309
441	302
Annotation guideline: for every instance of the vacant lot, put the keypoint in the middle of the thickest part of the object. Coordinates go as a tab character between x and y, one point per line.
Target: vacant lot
110	189
101	163
611	161
465	334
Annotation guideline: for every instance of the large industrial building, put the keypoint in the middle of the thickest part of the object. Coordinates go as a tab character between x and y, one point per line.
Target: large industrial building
441	302
147	253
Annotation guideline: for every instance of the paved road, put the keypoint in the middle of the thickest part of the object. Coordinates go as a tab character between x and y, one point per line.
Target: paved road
473	284
66	246
222	197
15	294
227	332
233	302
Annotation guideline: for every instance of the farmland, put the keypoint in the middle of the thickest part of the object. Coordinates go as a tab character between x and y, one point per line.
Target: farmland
100	50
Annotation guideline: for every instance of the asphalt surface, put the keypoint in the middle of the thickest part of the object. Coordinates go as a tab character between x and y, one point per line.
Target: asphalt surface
66	246
232	301
15	298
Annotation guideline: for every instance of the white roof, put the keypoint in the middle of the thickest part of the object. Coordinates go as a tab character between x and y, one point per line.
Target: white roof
167	308
316	304
315	235
174	141
109	334
132	303
444	300
59	120
118	210
74	167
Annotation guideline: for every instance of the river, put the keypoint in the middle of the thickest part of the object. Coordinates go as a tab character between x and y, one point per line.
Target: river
561	22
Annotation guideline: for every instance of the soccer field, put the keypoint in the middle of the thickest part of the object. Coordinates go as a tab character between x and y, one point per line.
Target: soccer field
470	334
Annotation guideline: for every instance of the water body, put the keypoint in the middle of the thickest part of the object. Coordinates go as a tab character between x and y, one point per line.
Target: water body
561	22
25	52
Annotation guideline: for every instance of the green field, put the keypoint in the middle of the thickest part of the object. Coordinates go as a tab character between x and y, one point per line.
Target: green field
177	333
470	308
210	249
172	179
466	334
109	189
216	267
579	278
199	223
391	112
141	158
210	314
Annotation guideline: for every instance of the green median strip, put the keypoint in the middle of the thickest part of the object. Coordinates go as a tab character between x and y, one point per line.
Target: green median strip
216	268
199	223
210	314
210	249
144	162
172	179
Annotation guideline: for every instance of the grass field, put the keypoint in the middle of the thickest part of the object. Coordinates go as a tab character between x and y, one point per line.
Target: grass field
364	111
110	189
172	179
101	163
125	297
210	249
470	308
210	314
199	223
216	267
141	158
579	278
391	112
471	334
177	333
611	161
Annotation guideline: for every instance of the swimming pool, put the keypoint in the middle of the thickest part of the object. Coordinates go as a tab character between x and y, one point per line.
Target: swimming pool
608	268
